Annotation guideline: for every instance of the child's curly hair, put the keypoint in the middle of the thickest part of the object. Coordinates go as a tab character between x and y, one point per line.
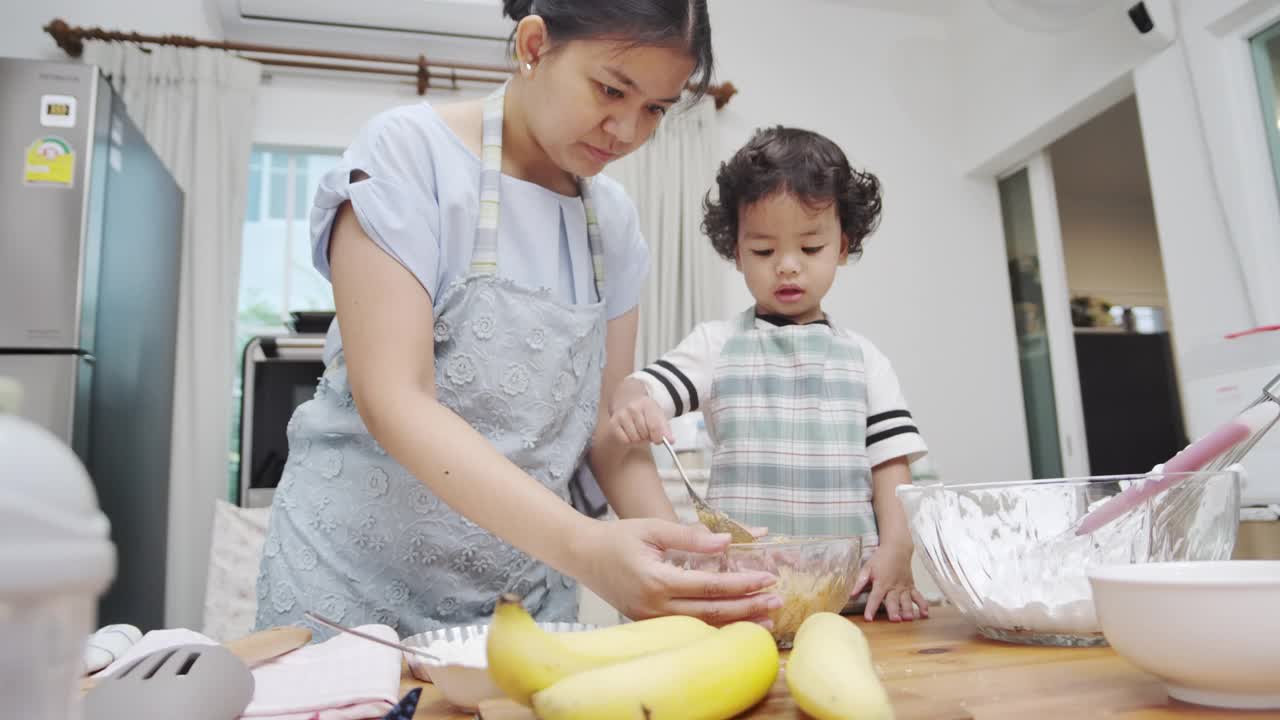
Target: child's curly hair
800	162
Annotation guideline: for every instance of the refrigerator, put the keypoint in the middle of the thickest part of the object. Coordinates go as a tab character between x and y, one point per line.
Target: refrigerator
90	238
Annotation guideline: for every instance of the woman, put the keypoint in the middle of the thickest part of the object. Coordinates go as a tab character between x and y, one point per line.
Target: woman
486	309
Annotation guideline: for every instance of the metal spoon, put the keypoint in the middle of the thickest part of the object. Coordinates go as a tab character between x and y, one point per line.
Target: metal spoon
715	520
336	626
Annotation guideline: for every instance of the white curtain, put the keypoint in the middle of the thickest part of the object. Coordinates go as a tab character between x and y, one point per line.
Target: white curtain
195	107
668	178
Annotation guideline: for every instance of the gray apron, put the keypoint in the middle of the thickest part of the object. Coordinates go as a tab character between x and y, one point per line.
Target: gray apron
356	537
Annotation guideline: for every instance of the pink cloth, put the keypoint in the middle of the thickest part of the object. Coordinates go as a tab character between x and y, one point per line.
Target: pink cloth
343	678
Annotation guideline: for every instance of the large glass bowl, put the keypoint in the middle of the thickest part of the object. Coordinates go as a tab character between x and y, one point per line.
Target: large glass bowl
815	574
1006	554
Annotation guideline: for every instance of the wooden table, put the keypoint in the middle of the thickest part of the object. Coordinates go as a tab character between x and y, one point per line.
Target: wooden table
941	669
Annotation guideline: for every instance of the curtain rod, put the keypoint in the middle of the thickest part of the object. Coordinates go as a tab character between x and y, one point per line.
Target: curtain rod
71	39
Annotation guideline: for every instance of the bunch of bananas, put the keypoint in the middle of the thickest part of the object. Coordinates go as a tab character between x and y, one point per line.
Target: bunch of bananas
679	667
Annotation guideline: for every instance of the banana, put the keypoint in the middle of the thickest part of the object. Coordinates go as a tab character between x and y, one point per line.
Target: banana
830	673
523	658
628	640
714	678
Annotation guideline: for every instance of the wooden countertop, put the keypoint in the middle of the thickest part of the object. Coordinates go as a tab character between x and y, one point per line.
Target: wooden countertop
941	669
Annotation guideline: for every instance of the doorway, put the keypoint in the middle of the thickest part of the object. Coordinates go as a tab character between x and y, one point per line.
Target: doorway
1095	336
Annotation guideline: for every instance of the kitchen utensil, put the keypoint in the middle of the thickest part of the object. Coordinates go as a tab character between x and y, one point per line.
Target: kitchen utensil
715	520
252	649
1006	555
1207	629
194	682
1223	447
815	574
336	626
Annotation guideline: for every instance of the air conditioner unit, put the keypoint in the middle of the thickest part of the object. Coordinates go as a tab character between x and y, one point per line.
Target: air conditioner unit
465	31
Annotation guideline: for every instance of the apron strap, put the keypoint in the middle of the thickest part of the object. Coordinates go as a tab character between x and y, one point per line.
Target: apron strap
484	256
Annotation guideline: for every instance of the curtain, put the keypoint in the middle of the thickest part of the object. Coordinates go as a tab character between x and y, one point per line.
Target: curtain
668	178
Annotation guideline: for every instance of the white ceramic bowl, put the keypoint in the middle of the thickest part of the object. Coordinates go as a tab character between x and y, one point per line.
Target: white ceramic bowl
1209	630
462	674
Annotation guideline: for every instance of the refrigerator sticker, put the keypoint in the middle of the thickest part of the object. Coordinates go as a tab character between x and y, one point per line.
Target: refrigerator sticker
58	111
50	163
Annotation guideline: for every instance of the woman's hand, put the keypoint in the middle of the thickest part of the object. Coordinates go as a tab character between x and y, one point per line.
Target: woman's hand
623	563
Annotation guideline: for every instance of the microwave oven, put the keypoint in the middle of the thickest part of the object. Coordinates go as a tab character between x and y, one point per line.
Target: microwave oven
280	373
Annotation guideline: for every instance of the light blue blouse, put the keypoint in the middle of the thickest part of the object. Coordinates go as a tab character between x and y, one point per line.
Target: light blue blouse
421	202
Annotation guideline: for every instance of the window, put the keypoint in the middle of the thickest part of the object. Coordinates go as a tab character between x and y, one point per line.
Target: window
1265	47
276	273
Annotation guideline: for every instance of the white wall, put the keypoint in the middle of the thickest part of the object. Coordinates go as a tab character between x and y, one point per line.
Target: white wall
932	289
1109	238
1018	90
1209	166
1023	90
301	110
1112	250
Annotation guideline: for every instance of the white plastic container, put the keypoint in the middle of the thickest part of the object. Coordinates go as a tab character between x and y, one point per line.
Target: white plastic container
56	559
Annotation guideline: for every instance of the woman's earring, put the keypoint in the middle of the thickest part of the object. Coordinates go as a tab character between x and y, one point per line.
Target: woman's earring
528	67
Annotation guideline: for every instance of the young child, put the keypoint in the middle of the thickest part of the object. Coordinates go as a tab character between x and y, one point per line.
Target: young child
811	432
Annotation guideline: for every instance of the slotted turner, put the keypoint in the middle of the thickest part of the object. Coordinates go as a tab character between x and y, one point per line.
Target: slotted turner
193	682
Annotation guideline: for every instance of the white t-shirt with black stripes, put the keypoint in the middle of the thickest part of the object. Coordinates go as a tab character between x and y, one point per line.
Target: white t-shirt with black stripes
681	380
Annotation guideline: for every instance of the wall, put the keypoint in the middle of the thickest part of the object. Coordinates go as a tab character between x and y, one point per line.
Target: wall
932	290
1023	90
1209	178
302	110
1019	90
1112	250
1109	237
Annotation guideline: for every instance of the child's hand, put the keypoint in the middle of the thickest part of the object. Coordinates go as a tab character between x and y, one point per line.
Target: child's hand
640	420
889	572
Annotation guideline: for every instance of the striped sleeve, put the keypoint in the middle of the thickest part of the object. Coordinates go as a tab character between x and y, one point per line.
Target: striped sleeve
891	430
680	380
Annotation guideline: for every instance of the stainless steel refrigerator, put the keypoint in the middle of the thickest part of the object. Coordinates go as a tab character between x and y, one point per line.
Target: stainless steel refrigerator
90	238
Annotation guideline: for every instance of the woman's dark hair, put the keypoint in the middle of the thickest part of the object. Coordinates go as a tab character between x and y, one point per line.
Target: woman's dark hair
799	162
683	23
